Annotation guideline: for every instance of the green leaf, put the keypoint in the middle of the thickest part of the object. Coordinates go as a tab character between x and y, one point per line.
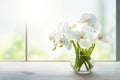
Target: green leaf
89	51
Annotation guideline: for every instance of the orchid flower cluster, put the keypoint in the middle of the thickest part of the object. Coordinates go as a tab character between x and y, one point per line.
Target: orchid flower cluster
82	35
86	33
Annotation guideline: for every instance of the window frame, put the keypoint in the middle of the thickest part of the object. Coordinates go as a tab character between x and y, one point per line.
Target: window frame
117	30
117	42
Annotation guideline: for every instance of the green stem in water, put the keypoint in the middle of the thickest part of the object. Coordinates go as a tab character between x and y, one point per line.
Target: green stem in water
75	47
79	49
89	64
90	50
86	66
82	56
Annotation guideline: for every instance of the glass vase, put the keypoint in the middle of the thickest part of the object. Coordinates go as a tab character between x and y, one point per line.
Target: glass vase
82	64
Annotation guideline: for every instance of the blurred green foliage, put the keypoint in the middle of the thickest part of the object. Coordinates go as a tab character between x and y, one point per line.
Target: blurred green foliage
12	48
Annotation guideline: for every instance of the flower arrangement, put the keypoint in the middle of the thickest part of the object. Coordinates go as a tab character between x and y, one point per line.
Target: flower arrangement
83	36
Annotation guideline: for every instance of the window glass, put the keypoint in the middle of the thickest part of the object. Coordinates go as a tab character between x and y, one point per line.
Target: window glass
43	17
12	24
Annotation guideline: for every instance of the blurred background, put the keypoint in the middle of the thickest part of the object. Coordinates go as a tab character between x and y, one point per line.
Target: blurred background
41	17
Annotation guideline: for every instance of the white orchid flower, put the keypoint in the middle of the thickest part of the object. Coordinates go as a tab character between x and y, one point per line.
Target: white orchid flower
51	36
64	42
87	32
89	19
77	35
85	43
82	35
97	27
54	45
66	30
84	18
63	27
90	33
61	41
102	37
73	26
83	40
70	36
67	44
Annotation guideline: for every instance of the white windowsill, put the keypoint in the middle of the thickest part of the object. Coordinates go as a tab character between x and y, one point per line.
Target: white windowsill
56	71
